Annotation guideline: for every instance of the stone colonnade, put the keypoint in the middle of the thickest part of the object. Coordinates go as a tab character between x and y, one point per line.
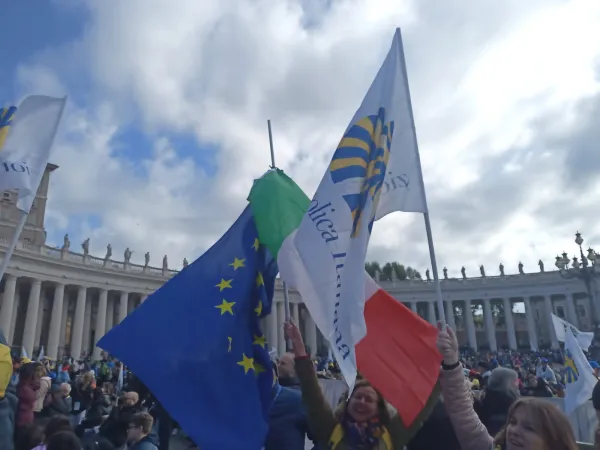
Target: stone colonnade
63	317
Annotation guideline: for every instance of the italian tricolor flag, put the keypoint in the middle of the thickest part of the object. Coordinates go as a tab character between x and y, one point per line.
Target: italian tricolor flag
398	354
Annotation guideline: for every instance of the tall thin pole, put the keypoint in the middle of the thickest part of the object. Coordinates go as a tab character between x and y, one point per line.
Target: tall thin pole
434	269
13	243
286	297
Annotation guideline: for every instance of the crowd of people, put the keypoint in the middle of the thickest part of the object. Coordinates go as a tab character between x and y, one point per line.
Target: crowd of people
488	401
78	405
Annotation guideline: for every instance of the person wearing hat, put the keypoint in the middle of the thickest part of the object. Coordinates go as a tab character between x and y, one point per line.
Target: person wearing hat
545	372
8	397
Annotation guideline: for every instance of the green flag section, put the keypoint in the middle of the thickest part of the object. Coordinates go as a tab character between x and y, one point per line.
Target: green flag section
280	204
398	355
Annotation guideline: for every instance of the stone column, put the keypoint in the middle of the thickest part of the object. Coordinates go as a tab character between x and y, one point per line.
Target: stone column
470	325
572	310
431	313
413	307
40	319
294	313
110	314
281	349
450	315
144	297
123	302
273	329
100	322
549	311
490	328
63	326
87	328
510	324
311	333
15	313
77	334
533	342
8	304
33	306
55	321
131	305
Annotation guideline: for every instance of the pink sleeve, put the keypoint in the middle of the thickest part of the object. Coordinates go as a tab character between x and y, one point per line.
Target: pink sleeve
471	433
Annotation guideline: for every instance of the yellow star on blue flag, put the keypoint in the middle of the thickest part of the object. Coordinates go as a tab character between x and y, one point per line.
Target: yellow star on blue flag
215	306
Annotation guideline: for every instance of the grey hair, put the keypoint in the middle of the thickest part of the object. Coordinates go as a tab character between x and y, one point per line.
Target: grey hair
502	379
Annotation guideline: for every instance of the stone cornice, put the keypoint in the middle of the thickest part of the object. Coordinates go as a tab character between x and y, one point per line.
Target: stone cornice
70	268
50	264
493	287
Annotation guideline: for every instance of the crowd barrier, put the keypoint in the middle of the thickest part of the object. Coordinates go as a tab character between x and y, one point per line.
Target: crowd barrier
583	419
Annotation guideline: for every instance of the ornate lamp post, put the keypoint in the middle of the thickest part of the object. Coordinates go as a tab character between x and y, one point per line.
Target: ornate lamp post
586	268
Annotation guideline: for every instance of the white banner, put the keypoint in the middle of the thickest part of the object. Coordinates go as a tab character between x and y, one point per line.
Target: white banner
583	338
29	132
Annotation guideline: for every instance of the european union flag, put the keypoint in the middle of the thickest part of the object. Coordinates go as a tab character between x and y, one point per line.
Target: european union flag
196	343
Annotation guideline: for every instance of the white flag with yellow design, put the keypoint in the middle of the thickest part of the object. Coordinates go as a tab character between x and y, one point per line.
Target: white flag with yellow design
26	136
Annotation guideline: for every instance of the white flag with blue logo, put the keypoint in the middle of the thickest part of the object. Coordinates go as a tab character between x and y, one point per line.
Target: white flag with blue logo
375	170
26	136
579	376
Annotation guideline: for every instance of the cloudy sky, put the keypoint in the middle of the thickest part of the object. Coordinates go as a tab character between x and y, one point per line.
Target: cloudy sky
168	102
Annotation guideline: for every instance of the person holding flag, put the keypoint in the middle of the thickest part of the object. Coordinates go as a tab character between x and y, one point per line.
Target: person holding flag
531	423
320	244
362	421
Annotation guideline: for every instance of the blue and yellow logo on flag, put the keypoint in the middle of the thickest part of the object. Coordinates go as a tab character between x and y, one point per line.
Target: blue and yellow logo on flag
571	371
6	118
360	160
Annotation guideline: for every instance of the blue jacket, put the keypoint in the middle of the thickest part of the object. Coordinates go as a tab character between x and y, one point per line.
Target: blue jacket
8	406
288	427
144	444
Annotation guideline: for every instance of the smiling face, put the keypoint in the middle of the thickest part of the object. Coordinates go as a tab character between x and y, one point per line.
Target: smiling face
362	405
522	433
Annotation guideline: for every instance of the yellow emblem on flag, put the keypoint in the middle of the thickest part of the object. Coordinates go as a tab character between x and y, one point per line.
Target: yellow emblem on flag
6	118
571	371
360	163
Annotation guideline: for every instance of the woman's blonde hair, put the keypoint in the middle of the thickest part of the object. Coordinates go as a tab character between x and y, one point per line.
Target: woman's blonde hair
550	424
86	379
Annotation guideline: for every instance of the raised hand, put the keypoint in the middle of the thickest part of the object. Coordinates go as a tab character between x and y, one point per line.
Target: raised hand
292	332
447	345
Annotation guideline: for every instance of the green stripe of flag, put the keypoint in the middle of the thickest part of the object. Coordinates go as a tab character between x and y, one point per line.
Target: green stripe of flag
278	206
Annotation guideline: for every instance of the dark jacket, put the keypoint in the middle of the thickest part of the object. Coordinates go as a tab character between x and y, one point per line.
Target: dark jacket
82	397
100	407
143	444
288	426
58	407
436	429
26	393
115	426
8	409
493	410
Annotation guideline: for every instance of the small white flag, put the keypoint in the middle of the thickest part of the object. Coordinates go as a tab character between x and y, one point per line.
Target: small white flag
26	136
583	338
579	375
120	380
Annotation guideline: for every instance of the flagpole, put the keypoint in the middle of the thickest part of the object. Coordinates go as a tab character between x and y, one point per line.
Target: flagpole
434	269
286	297
13	243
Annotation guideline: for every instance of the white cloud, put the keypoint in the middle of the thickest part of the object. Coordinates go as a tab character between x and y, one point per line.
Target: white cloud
485	79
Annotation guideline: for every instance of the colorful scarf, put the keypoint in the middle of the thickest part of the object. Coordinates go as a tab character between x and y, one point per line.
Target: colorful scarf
362	435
